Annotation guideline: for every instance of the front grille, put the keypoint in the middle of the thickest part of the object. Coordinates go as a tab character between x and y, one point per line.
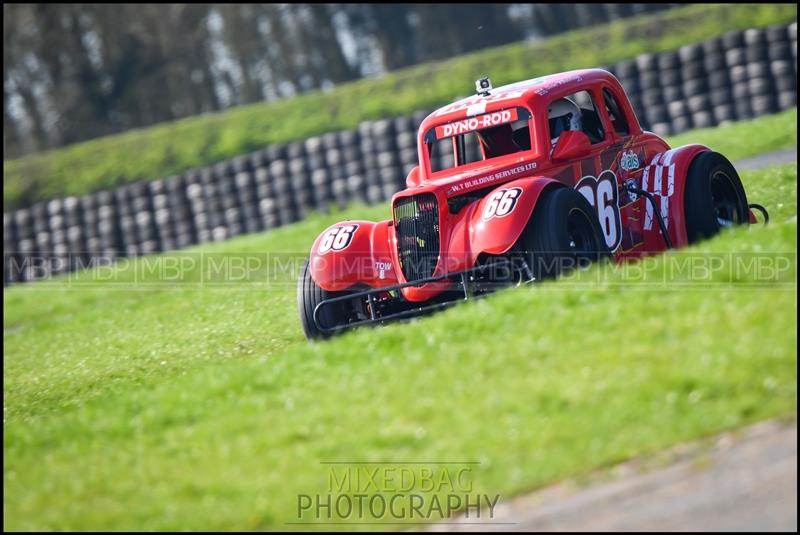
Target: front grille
416	222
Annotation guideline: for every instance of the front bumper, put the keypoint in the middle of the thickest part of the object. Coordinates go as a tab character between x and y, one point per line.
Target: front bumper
453	288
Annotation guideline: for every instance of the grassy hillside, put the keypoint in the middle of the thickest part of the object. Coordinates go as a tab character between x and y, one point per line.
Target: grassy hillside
177	146
746	138
167	404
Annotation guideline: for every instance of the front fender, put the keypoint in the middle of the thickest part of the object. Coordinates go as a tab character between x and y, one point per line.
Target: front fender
665	177
486	226
353	252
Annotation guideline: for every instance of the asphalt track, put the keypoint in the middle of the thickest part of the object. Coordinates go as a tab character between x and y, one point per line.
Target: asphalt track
739	481
763	160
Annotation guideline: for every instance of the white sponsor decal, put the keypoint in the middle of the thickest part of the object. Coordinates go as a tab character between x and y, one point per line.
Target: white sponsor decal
468	184
629	161
501	203
337	238
381	267
601	192
475	123
659	179
476	109
545	90
464	104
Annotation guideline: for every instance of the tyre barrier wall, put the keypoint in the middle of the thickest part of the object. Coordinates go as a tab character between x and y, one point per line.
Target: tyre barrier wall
735	76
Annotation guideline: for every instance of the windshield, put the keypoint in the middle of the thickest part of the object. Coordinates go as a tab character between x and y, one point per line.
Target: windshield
478	138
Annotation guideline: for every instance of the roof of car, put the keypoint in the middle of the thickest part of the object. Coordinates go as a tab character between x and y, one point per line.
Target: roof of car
526	92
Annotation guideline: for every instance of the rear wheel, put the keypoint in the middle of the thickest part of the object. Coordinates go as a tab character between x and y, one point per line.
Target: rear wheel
714	197
562	234
309	295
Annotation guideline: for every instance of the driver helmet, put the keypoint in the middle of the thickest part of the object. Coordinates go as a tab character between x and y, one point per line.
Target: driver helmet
563	114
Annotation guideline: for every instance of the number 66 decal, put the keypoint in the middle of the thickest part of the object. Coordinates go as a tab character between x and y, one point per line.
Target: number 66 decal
501	203
337	238
601	192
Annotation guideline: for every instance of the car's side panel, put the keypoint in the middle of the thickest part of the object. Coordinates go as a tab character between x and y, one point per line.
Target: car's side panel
603	178
354	252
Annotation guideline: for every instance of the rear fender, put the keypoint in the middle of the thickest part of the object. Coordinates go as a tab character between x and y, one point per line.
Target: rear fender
494	224
665	177
353	252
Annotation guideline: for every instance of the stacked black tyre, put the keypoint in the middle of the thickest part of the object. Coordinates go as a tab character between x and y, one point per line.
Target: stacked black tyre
720	94
655	114
782	56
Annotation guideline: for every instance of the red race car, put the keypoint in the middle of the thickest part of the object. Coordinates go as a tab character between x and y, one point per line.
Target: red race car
516	184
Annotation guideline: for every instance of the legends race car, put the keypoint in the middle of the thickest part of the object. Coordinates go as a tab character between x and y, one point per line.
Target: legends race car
515	184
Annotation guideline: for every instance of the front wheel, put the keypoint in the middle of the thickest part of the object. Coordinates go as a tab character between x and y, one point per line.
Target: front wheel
563	233
309	295
714	197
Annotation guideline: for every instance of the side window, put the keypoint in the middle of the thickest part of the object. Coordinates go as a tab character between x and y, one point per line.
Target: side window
441	153
575	112
615	113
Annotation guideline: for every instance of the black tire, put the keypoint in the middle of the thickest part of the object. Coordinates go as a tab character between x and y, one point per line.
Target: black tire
703	119
776	33
712	46
309	295
719	80
760	86
787	99
699	103
670	77
740	91
677	108
689	53
724	112
646	62
756	53
657	113
663	129
780	51
626	69
668	60
764	104
714	197
755	37
693	71
714	62
653	97
785	83
695	87
672	93
649	80
562	233
681	124
758	70
735	56
733	39
721	96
